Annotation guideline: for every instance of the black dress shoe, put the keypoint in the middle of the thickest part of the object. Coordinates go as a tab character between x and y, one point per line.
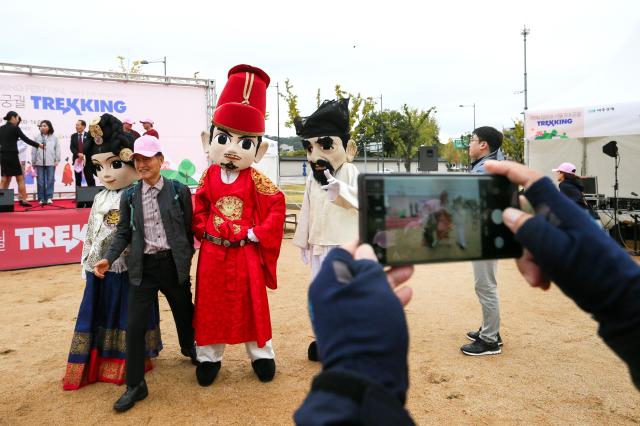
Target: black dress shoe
264	368
312	352
190	353
206	372
23	203
132	395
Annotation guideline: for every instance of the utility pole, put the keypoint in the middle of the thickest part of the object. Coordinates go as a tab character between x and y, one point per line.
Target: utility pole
525	32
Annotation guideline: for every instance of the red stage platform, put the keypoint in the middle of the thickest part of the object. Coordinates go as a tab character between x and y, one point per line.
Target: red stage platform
42	235
67	203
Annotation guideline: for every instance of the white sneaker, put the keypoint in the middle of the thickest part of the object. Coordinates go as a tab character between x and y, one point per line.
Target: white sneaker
49	201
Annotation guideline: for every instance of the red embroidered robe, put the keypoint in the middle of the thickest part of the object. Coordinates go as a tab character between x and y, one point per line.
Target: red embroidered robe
231	304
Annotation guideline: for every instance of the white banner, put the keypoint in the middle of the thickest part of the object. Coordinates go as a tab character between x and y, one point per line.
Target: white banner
584	122
179	113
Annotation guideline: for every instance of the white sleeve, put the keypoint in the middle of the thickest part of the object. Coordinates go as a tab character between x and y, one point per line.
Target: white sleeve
348	193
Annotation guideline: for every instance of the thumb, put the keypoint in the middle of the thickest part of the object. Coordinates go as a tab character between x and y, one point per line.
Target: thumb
327	173
514	218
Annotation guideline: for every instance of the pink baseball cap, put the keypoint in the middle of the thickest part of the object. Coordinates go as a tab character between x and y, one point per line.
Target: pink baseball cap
128	121
147	120
147	146
566	168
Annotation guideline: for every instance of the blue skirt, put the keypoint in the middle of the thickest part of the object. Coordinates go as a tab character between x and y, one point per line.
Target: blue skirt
98	347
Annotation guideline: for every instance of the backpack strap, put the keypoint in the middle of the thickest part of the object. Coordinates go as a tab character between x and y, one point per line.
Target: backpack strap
128	194
176	194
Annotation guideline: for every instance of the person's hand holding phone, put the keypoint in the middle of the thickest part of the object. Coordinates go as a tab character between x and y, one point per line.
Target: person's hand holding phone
357	314
562	242
566	246
515	218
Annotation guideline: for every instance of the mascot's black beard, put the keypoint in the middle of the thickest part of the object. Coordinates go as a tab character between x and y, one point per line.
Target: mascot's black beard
229	166
318	175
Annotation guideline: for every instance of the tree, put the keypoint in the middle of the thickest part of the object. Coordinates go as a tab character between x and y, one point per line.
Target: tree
417	128
359	106
134	69
379	127
513	142
453	155
292	103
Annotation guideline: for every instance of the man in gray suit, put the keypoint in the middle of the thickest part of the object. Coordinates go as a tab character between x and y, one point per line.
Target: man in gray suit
485	145
155	218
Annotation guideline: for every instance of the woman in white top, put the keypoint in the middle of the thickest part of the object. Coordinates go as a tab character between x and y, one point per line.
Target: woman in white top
45	161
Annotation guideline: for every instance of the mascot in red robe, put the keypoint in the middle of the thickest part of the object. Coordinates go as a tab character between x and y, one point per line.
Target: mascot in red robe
238	217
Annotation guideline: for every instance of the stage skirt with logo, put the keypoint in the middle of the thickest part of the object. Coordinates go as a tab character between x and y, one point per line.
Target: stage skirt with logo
98	346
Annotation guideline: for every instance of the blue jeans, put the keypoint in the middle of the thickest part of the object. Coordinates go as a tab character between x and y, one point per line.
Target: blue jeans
45	194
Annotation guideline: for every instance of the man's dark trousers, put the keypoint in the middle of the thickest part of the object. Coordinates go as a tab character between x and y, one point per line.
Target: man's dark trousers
158	273
88	177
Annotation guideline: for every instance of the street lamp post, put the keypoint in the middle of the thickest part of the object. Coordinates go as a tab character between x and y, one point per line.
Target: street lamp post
157	61
381	130
525	32
381	133
474	112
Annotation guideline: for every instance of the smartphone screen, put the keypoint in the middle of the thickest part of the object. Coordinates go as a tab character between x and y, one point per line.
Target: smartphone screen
409	218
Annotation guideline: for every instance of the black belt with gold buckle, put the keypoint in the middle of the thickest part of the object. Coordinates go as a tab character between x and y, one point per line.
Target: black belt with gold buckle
159	255
225	243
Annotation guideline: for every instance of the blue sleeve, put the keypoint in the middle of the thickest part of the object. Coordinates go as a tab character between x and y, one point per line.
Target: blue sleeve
327	408
343	397
588	266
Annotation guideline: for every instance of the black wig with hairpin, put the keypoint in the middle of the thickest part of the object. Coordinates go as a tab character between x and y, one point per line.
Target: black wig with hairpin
113	139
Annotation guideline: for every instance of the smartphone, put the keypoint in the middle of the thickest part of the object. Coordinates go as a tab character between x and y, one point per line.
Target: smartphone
425	218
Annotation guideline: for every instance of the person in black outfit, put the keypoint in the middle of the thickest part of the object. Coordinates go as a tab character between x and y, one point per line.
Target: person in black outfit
77	146
9	160
570	185
155	223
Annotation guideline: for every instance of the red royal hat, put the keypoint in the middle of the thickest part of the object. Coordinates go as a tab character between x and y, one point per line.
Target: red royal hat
243	101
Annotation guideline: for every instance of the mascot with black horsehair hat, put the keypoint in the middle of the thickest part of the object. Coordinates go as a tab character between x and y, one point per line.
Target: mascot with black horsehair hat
329	213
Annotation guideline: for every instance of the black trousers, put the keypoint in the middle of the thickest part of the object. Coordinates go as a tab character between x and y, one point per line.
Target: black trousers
157	274
88	176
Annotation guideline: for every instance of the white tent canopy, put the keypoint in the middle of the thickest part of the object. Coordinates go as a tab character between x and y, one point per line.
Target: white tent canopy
577	135
269	163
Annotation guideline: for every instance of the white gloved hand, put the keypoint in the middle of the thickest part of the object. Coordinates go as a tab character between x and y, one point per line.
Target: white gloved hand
304	255
252	236
332	186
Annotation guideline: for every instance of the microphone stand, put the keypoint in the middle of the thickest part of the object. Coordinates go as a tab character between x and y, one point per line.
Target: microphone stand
44	178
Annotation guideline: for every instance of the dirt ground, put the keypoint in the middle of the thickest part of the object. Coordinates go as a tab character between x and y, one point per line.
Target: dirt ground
553	369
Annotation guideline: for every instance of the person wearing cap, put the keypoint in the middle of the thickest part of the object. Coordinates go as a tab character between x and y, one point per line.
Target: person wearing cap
239	217
484	145
570	185
329	212
127	124
98	348
155	223
147	123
